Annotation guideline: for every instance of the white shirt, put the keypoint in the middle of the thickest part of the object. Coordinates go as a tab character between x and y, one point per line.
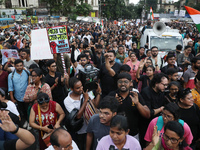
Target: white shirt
12	108
75	147
129	43
70	104
185	41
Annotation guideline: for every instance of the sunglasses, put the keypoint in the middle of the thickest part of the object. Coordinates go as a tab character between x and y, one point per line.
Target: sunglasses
42	100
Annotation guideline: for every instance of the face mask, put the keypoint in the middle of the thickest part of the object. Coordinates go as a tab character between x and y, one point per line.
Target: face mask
178	52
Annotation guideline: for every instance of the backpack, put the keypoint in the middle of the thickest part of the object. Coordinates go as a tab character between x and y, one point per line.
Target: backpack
160	123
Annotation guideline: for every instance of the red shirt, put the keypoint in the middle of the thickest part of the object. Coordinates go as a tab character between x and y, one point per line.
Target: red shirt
48	117
4	79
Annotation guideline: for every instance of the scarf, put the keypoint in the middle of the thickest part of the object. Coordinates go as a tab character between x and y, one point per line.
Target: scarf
121	58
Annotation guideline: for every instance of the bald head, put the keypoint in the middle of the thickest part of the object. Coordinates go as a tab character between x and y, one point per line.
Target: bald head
60	138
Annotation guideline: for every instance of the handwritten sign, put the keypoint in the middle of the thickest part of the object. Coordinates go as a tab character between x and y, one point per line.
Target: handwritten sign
58	39
40	48
8	53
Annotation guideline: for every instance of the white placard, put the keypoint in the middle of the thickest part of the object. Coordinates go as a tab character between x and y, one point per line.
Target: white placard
40	48
8	53
176	13
182	13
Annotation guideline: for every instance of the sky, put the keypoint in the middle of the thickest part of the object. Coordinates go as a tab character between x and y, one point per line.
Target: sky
134	1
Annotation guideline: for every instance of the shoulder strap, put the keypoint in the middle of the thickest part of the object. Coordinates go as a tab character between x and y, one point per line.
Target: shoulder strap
40	89
81	102
160	123
26	72
40	118
181	121
12	75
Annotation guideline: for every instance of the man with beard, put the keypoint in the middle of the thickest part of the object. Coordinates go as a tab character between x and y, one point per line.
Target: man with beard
155	100
17	84
190	73
170	59
172	74
108	73
78	99
131	103
99	124
156	59
154	94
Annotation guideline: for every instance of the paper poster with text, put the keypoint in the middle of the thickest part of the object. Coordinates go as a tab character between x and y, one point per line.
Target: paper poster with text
58	39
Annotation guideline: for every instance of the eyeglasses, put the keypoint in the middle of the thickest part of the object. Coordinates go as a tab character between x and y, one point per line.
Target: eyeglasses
166	116
125	82
154	51
171	89
166	85
173	140
42	100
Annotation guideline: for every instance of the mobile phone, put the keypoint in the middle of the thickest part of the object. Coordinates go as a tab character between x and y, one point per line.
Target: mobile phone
50	126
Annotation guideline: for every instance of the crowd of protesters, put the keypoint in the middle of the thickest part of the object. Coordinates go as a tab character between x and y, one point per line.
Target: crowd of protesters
142	100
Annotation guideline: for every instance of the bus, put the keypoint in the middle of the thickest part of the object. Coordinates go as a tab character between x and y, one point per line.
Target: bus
6	23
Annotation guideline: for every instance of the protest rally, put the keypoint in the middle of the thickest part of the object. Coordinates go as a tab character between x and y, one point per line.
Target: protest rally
100	81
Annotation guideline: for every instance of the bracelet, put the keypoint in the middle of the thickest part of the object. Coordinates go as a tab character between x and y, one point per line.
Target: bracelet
13	132
55	85
156	65
40	128
98	93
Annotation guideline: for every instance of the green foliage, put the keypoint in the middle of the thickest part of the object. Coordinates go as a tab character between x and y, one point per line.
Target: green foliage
151	3
113	9
83	9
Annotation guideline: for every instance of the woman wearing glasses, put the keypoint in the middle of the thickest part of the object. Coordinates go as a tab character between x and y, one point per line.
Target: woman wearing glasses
171	112
37	85
172	138
190	113
44	116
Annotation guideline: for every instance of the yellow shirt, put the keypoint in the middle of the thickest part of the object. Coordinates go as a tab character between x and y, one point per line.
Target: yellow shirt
196	97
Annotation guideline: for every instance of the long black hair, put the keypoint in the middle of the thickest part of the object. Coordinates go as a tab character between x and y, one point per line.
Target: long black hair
39	73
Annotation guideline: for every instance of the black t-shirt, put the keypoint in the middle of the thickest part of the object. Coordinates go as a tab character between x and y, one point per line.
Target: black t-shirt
191	117
153	99
131	112
10	145
145	81
140	57
58	93
164	69
108	83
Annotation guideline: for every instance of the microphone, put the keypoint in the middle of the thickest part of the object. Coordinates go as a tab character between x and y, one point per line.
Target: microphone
112	147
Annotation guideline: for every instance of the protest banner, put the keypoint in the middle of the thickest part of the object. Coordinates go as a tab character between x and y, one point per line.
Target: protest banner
40	48
59	42
58	39
9	53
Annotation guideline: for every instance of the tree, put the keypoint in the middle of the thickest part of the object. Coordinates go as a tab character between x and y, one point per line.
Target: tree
112	9
83	9
151	3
